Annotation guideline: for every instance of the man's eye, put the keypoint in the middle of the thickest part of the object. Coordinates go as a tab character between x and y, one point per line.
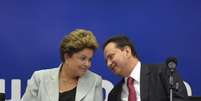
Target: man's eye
111	56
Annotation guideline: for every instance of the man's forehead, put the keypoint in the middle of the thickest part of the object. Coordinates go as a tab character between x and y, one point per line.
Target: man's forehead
110	51
110	46
106	52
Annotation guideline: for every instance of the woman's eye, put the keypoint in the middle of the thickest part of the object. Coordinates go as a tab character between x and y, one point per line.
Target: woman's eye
82	58
90	59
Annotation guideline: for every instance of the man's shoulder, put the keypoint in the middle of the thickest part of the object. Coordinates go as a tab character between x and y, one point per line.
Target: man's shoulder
118	86
116	91
154	67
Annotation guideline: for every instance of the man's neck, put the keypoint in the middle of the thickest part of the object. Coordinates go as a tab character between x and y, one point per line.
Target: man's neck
131	65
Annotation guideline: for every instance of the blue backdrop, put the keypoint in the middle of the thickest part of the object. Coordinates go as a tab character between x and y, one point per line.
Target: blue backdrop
31	30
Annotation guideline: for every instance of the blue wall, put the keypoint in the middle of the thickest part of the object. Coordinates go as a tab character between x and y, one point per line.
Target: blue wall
31	30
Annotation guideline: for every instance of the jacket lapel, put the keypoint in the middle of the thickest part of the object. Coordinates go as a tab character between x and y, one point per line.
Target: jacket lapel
85	83
119	89
52	86
144	83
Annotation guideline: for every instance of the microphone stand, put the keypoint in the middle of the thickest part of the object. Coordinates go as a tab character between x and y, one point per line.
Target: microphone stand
171	82
172	86
171	63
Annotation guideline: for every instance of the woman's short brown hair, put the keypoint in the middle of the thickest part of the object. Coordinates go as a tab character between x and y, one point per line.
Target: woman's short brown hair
76	41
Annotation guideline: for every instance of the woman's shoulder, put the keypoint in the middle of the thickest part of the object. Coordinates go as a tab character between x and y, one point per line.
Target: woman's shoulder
43	73
46	71
93	75
90	77
90	73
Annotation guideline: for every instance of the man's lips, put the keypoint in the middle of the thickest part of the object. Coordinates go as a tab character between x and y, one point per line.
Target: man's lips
113	69
113	66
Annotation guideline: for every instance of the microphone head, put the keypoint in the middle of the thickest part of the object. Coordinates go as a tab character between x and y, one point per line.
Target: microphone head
171	63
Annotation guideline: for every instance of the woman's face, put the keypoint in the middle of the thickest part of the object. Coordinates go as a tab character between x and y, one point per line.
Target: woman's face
79	62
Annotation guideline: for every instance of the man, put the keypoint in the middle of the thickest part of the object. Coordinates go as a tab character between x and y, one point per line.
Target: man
140	82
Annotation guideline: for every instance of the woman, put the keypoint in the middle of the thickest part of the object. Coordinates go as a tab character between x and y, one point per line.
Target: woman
71	81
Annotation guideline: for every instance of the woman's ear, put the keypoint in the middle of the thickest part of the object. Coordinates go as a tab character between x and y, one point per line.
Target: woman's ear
66	56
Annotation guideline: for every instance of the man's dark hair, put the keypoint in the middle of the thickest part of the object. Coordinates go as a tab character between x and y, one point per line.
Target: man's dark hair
121	41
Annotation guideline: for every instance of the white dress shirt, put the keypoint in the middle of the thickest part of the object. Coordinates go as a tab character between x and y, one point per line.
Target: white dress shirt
135	74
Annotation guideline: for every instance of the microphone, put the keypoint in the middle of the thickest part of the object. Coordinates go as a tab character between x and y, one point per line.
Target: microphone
171	63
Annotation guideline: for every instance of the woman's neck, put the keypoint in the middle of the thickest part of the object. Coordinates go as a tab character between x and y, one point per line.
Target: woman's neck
66	75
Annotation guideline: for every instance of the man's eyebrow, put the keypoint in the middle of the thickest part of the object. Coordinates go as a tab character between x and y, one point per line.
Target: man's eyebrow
107	55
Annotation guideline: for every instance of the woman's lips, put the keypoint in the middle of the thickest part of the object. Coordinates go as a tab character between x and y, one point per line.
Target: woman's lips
83	69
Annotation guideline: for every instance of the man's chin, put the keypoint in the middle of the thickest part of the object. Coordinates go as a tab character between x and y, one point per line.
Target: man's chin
116	72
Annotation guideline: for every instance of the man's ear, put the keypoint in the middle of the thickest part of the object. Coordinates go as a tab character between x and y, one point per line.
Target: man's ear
127	49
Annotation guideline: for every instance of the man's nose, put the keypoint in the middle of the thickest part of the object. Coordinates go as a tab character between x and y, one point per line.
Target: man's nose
109	63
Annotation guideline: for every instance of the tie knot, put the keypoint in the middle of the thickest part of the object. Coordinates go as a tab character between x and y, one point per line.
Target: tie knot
130	81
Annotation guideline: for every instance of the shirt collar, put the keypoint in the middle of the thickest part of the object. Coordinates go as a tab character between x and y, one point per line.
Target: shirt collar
135	74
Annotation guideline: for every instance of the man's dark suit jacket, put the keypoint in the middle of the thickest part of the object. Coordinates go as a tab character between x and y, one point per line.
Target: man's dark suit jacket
154	85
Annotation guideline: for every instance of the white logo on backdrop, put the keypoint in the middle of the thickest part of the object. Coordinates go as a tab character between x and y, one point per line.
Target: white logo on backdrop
16	88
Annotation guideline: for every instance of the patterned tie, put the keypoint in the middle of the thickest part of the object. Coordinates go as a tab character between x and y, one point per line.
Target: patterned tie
131	90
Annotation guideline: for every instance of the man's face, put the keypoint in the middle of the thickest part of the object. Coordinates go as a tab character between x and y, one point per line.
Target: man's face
115	58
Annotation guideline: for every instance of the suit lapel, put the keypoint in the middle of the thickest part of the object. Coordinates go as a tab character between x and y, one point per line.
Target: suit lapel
119	89
144	83
52	86
85	83
115	94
